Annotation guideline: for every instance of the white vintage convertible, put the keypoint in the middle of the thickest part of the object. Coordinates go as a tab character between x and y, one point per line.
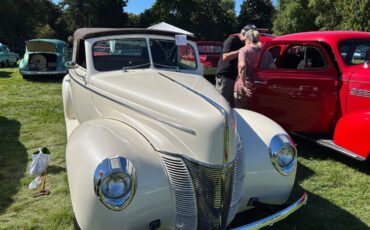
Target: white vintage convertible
153	145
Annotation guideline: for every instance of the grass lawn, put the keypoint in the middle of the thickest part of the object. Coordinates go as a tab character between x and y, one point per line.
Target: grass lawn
31	116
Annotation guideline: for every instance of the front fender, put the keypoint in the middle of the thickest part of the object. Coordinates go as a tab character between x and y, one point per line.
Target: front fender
262	180
94	141
352	133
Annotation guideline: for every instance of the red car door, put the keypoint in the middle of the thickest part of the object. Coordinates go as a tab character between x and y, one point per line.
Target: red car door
299	89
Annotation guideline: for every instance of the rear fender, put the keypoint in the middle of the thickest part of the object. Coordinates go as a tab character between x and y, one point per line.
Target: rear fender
352	133
87	147
262	180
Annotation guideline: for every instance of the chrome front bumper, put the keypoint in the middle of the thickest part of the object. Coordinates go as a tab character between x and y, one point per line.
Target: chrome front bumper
270	220
27	72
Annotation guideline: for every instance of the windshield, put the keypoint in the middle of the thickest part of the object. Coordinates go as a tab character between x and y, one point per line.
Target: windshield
117	54
166	54
355	52
133	53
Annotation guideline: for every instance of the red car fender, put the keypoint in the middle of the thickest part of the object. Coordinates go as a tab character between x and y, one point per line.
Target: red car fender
352	132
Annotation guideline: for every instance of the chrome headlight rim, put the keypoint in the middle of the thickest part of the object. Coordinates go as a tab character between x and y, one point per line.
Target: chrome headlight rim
109	168
278	143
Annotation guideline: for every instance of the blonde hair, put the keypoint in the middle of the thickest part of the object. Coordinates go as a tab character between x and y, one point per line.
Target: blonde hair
253	36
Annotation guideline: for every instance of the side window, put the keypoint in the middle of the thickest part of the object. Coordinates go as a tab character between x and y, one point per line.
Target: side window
81	57
314	59
270	57
302	57
187	57
293	57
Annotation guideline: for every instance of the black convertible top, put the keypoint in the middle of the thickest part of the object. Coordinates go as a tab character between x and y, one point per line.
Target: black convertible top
85	33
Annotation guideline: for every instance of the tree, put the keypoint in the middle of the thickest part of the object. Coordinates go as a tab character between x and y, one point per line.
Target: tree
325	19
44	31
257	12
19	19
93	13
133	21
354	14
293	16
207	19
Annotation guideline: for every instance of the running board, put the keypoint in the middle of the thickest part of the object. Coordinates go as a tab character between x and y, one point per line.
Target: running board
330	144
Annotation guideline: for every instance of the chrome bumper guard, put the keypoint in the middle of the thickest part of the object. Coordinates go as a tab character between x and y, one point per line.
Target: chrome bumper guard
270	220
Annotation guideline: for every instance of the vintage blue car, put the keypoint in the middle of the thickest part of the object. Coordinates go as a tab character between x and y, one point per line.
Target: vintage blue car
7	58
44	57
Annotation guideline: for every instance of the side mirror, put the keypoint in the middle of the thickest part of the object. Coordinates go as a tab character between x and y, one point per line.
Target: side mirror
71	65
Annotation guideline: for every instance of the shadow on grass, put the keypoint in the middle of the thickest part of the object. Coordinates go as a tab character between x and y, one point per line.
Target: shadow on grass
310	150
13	161
45	78
5	74
52	169
319	213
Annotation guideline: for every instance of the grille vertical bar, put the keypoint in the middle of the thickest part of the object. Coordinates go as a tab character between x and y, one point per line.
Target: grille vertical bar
238	176
184	195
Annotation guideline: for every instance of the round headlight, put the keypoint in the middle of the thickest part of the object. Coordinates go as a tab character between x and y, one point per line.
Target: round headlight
283	154
114	182
116	185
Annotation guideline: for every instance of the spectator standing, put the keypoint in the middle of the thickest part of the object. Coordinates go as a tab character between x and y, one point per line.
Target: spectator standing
227	69
247	60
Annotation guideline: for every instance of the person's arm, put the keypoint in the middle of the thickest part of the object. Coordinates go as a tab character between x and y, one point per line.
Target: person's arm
227	53
230	55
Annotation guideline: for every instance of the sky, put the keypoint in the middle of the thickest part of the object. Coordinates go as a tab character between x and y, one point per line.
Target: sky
138	6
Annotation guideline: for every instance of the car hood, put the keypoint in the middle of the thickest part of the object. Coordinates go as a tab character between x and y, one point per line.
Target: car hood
178	113
41	46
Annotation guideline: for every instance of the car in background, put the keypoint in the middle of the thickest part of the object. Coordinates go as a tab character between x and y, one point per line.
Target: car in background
318	87
44	57
7	58
209	53
153	145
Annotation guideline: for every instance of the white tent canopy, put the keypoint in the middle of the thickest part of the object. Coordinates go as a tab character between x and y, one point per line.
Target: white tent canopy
168	27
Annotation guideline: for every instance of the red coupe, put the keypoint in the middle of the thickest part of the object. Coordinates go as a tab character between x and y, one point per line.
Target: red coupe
318	84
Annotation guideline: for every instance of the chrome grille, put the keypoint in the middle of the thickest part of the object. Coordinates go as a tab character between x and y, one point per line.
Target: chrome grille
238	176
182	187
213	194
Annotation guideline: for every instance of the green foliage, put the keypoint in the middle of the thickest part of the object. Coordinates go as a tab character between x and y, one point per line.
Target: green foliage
44	31
354	14
211	19
293	16
304	15
257	12
18	19
93	13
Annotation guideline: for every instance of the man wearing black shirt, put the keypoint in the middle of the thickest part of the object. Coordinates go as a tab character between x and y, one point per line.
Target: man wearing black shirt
227	67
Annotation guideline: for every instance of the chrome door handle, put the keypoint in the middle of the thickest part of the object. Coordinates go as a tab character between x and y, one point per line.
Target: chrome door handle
258	82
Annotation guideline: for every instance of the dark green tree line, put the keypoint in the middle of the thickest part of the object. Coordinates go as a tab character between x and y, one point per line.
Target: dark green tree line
208	19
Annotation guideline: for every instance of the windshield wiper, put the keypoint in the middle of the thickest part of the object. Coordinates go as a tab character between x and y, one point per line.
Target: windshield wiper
125	68
167	66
